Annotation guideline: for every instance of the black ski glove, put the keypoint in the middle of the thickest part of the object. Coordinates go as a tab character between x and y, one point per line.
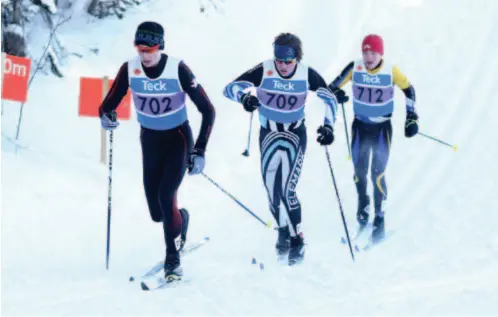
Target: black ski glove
249	102
325	134
341	96
411	124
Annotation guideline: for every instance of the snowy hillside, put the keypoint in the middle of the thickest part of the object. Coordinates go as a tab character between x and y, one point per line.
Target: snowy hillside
441	260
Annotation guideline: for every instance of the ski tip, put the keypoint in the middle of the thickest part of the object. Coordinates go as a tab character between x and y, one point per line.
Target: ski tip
144	286
253	261
206	238
343	241
356	248
261	266
132	278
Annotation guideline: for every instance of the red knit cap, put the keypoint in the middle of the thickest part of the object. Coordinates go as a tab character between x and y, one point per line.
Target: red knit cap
373	42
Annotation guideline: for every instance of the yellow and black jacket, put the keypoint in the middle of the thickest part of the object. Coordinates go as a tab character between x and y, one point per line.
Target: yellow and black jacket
373	90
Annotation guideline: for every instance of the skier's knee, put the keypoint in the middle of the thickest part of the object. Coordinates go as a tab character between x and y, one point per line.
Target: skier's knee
377	176
156	215
275	208
360	178
156	218
379	181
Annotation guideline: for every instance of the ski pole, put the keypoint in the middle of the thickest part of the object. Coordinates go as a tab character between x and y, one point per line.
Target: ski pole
267	224
346	129
454	147
109	200
246	152
340	204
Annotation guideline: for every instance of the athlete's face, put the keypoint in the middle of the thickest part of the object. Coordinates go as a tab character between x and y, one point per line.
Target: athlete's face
285	68
371	59
149	56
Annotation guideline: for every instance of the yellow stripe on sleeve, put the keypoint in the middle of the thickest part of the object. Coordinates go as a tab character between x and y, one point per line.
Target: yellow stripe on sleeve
400	79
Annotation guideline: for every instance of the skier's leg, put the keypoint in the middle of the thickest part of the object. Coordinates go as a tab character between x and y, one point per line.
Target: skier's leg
292	164
380	159
271	173
360	148
271	170
152	165
179	142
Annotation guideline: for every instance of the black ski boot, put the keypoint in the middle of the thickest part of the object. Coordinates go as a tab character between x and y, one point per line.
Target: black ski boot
283	243
378	232
363	212
172	268
296	253
185	220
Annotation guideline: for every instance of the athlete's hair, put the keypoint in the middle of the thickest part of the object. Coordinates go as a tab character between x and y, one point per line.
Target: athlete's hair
290	40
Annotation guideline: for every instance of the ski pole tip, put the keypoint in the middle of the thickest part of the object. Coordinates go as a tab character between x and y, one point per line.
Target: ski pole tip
349	158
268	224
455	147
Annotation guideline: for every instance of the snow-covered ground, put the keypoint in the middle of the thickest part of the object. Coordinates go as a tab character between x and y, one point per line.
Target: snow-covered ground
442	259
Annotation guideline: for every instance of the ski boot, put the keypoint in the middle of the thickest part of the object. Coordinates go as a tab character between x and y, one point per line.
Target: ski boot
378	232
183	236
282	246
296	253
172	267
363	212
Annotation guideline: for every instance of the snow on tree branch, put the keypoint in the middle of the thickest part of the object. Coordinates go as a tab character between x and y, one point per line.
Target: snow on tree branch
15	29
49	5
104	8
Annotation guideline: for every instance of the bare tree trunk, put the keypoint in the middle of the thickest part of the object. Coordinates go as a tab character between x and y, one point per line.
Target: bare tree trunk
17	14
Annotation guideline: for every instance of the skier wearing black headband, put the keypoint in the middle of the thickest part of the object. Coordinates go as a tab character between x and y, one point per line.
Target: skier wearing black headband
159	84
282	84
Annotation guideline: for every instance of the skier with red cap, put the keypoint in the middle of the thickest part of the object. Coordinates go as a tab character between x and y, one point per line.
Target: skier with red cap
373	81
